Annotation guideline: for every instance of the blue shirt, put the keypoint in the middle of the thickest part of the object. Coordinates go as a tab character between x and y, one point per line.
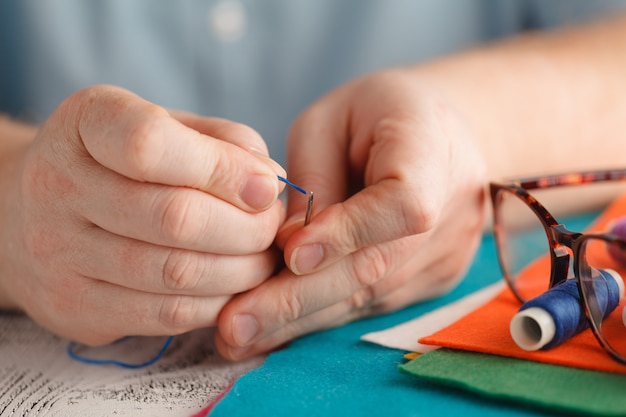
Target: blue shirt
259	62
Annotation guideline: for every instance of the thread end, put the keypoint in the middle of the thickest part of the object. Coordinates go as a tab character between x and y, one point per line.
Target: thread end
532	328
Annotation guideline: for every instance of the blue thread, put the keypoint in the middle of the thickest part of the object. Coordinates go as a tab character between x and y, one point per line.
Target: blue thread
91	361
292	185
309	206
562	303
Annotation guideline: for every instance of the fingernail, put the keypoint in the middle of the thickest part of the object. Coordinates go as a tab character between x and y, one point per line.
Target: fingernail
305	258
245	328
259	191
275	166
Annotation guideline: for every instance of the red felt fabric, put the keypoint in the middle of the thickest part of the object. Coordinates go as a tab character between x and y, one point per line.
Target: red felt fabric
206	410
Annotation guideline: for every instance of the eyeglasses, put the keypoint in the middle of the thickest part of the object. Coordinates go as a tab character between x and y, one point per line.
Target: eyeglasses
524	228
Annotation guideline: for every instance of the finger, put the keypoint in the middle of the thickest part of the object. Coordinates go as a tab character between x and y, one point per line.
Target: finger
332	316
390	294
404	193
179	217
235	133
417	278
238	134
142	141
316	154
158	269
284	299
101	313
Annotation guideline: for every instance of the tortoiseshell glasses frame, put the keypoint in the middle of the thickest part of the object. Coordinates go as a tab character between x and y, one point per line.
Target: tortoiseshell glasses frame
559	237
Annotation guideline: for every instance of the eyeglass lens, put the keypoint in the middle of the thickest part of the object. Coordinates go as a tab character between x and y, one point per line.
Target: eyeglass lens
600	293
521	239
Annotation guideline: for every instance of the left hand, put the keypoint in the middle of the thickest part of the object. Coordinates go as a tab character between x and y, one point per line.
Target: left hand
398	213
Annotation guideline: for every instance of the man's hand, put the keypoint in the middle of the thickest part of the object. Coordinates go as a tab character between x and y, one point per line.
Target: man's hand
123	219
399	208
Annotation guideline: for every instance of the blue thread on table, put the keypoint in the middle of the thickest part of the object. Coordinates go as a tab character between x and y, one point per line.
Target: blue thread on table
92	361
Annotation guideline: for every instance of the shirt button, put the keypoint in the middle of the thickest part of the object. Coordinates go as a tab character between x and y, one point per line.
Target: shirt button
227	20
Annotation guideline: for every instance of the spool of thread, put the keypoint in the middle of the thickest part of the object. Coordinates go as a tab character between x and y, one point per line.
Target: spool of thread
556	315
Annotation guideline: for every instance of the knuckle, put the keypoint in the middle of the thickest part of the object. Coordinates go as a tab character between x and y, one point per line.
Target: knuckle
45	247
363	298
371	264
349	236
141	145
66	304
418	215
174	218
390	128
219	172
182	271
418	212
47	179
290	305
79	103
177	313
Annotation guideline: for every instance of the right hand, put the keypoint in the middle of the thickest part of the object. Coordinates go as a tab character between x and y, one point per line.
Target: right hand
123	219
399	211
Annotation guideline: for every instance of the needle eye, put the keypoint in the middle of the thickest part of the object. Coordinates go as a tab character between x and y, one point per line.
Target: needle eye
309	194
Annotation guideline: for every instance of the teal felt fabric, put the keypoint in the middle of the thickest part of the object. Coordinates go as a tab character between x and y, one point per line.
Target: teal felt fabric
559	388
333	373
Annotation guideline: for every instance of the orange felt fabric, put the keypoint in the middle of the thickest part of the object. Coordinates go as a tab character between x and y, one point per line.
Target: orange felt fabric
487	328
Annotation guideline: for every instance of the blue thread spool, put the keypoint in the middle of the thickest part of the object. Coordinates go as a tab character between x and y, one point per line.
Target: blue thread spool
556	315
